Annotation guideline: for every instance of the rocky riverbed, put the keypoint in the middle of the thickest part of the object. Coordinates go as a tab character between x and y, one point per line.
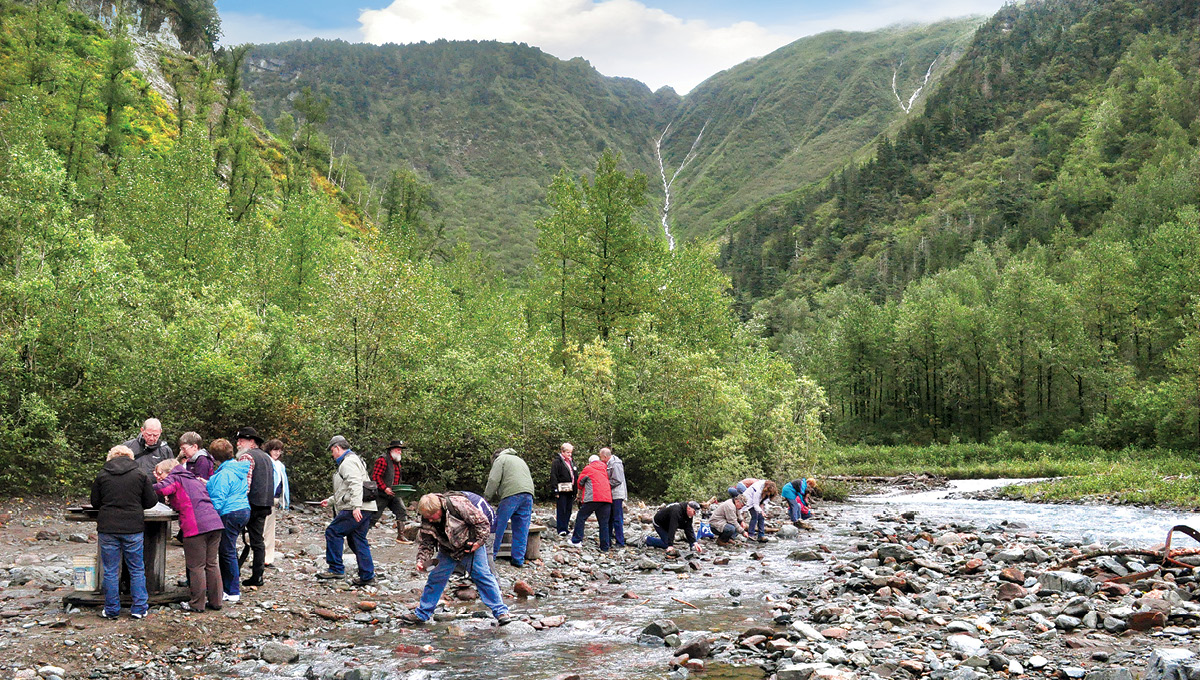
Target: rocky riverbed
863	591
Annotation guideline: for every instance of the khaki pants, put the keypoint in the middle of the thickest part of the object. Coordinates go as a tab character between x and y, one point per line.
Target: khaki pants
269	535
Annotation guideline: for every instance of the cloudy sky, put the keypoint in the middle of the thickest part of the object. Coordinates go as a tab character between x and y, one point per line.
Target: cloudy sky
660	42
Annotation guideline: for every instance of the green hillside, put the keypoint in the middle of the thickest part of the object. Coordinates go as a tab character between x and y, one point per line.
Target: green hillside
1019	260
797	114
488	124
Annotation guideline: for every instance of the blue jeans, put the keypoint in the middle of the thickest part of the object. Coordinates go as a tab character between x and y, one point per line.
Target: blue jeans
793	508
603	511
113	549
518	507
342	527
758	524
727	533
616	523
230	573
481	576
662	540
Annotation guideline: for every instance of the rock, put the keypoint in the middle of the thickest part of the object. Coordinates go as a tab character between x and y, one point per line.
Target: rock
672	640
808	631
1067	623
1146	620
896	552
629	595
523	589
1072	672
799	671
833	674
695	665
328	614
1012	575
278	653
366	606
1008	592
1172	664
47	535
660	628
553	621
517	628
965	645
646	564
961	627
1067	582
753	640
77	538
698	647
972	566
835	656
804	555
1109	674
835	633
788	532
1009	556
27	559
467	594
1038	662
47	671
1112	624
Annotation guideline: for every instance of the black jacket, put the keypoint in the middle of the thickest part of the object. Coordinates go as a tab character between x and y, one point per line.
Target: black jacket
122	492
674	517
561	473
262	480
149	456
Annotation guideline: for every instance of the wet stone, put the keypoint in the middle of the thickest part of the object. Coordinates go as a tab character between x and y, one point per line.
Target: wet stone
660	628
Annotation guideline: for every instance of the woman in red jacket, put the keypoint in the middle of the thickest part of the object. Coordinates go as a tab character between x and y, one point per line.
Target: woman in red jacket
597	498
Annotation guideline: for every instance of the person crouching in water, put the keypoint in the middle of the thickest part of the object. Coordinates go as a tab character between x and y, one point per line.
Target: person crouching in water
796	493
726	521
457	530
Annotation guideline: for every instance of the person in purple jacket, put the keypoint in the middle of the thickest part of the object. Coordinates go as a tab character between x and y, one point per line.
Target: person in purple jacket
201	527
196	459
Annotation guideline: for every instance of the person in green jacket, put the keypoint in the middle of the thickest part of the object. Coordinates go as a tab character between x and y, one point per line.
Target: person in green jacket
511	482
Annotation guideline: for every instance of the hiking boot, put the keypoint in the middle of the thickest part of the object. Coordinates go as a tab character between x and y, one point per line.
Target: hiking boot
329	576
360	582
253	582
411	619
504	619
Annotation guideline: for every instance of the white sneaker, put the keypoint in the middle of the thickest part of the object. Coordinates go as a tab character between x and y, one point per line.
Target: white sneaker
232	599
575	543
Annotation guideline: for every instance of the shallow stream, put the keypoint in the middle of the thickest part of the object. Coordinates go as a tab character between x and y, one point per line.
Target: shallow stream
599	639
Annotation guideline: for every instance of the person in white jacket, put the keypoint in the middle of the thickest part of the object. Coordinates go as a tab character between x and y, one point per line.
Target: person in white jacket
756	497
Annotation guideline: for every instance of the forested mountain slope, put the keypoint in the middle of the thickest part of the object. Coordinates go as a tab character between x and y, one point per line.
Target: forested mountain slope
1021	257
488	124
797	114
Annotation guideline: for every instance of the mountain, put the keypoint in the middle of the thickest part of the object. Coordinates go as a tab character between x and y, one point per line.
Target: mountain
489	124
795	115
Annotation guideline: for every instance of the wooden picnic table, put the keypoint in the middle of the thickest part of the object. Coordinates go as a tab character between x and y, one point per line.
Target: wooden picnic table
158	532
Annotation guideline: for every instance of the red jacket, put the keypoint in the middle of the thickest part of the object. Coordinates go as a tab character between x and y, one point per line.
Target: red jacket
596	489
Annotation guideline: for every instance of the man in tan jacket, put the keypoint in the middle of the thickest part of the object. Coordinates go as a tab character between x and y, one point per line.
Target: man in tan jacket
726	521
352	515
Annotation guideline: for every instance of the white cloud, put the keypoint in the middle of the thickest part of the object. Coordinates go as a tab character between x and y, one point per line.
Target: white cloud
619	37
238	28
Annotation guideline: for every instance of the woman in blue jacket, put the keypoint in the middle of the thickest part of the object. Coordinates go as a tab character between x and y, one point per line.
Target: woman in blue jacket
229	489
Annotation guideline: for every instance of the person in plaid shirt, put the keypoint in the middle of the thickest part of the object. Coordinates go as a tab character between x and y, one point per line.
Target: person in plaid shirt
386	474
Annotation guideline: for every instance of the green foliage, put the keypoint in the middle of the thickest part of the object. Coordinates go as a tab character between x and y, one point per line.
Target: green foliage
989	269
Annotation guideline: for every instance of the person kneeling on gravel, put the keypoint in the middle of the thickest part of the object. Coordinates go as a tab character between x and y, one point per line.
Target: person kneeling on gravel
726	521
670	519
457	530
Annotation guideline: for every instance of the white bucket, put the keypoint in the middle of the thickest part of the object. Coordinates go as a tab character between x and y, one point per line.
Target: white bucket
85	572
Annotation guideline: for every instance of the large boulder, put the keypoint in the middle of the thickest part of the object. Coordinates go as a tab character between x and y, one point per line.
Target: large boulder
661	628
1066	582
278	653
1173	664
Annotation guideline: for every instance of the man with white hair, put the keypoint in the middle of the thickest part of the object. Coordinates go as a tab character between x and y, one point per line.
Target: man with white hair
148	447
616	479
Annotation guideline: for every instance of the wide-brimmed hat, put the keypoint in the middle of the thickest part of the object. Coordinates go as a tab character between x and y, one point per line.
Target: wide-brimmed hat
395	444
248	433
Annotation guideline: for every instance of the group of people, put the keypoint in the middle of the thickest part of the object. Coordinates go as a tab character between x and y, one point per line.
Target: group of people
222	492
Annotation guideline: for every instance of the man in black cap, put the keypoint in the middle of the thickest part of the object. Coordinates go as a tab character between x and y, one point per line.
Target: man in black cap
262	497
670	519
386	474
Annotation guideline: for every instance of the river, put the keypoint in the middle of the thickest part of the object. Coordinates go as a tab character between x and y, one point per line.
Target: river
599	639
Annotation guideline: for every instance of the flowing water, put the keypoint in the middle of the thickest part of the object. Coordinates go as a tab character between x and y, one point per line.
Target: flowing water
599	639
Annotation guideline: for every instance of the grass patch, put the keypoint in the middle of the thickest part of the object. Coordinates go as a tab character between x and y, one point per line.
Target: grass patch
1137	476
